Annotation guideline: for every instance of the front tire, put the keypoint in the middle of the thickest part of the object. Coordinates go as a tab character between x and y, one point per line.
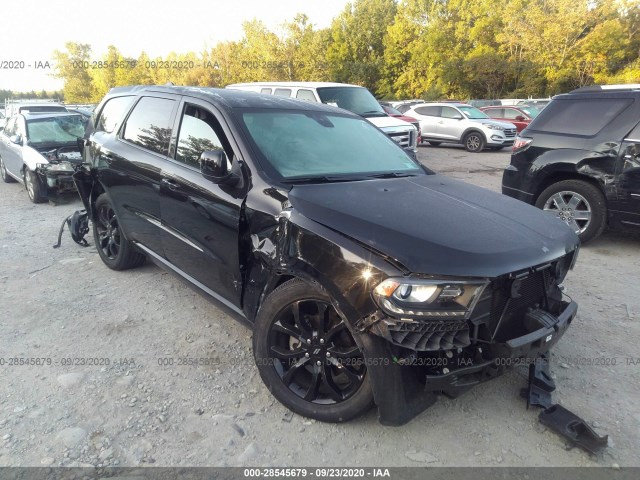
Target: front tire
473	142
307	356
114	249
6	178
35	188
579	204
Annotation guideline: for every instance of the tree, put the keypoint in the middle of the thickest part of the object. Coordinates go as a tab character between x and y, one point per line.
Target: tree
72	67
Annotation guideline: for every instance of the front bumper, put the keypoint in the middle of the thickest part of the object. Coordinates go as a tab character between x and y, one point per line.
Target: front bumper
402	390
55	179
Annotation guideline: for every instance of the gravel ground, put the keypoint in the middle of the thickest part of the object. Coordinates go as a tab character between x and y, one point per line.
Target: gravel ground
64	305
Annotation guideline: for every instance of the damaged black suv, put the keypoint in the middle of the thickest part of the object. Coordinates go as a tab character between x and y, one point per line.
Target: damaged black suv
366	278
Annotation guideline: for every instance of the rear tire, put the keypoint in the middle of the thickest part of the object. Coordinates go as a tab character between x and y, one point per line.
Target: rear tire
114	249
307	356
34	186
579	204
473	142
6	178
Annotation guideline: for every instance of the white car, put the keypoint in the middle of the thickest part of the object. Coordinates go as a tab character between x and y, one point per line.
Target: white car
40	150
354	98
462	123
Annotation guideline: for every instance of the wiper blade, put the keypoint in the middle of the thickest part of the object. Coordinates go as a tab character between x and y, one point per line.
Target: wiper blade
321	179
392	175
374	113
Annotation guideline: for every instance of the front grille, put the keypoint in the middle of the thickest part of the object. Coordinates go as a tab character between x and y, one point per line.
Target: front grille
430	335
403	138
510	132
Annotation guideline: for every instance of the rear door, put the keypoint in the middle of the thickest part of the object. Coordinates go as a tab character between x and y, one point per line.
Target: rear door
129	164
201	219
429	118
628	179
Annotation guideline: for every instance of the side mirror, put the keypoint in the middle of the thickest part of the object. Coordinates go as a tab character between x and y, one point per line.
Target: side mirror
17	139
457	116
213	165
520	118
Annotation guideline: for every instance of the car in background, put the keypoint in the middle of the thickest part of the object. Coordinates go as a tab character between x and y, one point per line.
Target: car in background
32	105
40	151
3	119
404	105
539	103
520	115
392	112
461	123
353	98
579	160
483	103
85	112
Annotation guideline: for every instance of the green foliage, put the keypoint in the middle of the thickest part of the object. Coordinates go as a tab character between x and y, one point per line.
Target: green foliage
430	49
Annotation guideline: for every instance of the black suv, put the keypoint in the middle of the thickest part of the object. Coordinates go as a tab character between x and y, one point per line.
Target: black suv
366	278
579	159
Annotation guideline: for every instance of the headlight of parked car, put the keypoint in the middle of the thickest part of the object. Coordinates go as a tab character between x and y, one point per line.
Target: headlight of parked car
495	127
428	298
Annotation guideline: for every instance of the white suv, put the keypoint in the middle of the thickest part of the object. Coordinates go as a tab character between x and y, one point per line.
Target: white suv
354	98
462	123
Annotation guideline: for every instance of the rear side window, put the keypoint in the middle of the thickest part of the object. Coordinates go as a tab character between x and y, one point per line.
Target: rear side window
428	111
266	91
512	113
112	113
585	116
282	92
306	95
149	124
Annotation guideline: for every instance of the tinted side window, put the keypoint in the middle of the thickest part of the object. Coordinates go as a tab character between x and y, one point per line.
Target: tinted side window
198	133
579	116
112	113
428	111
307	95
635	133
282	92
266	91
512	113
495	112
11	127
149	125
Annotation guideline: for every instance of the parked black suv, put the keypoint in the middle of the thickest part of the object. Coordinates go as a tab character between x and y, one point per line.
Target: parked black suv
366	278
579	159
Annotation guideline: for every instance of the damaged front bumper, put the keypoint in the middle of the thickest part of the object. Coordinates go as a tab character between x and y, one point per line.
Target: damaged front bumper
57	178
449	356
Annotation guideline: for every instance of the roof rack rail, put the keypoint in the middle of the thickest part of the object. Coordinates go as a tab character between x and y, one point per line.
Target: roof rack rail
599	88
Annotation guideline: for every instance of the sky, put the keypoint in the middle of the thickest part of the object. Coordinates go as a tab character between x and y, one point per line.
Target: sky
38	27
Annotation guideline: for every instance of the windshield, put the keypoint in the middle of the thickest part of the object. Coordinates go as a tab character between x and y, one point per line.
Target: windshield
391	110
315	144
358	100
472	112
63	129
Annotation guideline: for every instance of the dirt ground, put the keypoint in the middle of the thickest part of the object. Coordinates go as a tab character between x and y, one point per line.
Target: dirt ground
115	394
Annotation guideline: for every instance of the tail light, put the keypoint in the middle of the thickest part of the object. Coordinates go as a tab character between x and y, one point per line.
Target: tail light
521	143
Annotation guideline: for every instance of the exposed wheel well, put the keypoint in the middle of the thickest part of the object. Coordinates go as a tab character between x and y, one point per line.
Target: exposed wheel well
473	130
561	176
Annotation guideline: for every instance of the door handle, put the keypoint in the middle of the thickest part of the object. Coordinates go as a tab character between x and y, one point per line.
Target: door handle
171	184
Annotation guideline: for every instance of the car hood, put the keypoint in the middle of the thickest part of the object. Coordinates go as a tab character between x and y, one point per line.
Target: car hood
436	225
388	121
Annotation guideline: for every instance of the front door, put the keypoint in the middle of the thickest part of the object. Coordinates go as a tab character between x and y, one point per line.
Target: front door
201	219
628	179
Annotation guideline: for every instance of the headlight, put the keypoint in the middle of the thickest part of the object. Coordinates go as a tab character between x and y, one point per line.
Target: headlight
494	127
435	298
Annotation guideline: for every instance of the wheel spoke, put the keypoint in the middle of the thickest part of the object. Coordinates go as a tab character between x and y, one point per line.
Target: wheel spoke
312	391
558	201
323	318
278	326
344	352
327	380
573	202
582	215
333	331
284	354
353	377
295	368
573	224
